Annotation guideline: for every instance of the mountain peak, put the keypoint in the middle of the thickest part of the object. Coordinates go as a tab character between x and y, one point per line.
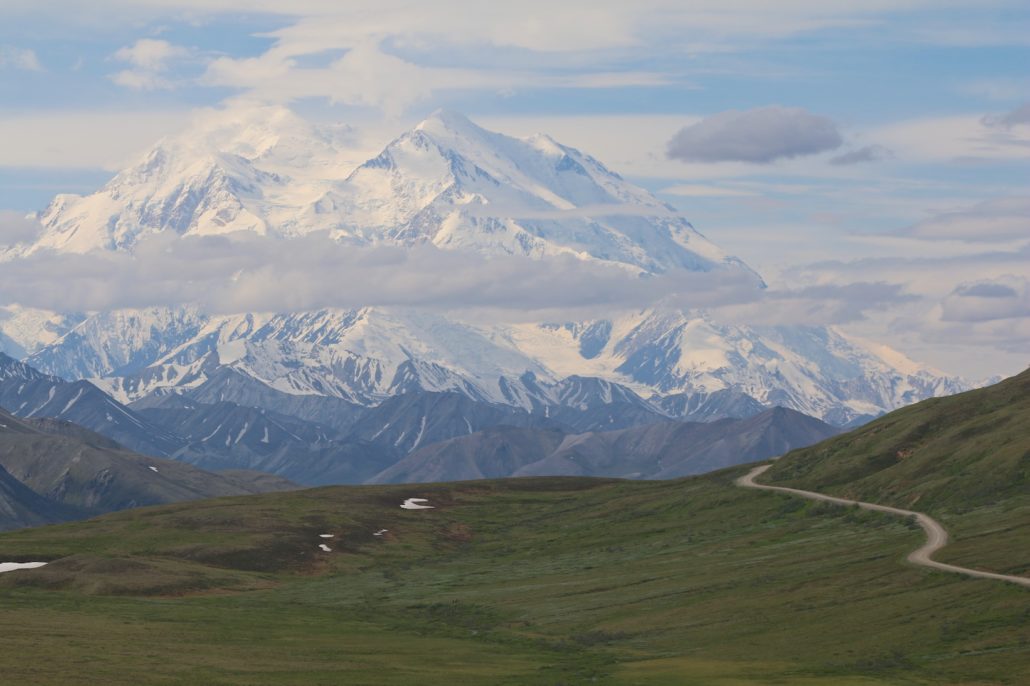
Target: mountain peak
448	120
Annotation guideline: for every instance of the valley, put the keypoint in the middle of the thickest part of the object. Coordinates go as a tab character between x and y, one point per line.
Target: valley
526	581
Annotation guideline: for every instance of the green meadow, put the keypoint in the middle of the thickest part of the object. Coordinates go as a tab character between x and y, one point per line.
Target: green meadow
528	581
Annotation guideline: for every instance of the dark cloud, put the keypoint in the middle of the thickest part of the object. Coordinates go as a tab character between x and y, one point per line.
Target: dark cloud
986	290
760	135
869	153
1018	116
988	300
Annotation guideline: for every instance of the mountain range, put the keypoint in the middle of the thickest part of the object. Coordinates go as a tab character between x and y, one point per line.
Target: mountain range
452	185
414	436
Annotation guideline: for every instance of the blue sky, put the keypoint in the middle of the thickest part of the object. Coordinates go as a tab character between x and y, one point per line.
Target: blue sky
918	89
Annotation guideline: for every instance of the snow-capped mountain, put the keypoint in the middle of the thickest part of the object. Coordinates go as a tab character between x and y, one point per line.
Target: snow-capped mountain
23	330
454	185
447	182
250	169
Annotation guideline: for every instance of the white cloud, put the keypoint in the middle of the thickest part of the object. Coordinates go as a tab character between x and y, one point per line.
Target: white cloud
1017	117
999	219
369	75
151	54
817	305
19	58
985	300
246	272
406	44
997	88
150	59
72	138
964	316
701	190
16	227
947	139
868	153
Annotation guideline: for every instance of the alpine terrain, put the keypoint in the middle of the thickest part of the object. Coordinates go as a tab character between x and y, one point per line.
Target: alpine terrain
450	184
416	436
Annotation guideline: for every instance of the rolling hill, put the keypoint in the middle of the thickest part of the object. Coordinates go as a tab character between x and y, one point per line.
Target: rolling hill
524	581
52	471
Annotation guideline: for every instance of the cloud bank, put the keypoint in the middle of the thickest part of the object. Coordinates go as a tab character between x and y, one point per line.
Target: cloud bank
250	273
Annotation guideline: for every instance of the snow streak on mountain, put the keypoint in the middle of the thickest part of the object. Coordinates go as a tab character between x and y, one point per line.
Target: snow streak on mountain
450	184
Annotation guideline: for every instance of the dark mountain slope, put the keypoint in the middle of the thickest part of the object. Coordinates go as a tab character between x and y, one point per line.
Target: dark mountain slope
228	385
27	392
495	452
74	473
656	451
20	506
226	436
411	420
675	449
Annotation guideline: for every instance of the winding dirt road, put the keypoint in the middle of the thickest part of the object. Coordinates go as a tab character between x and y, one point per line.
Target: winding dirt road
936	536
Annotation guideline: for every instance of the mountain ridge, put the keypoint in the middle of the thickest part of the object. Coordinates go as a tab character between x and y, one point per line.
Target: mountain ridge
665	450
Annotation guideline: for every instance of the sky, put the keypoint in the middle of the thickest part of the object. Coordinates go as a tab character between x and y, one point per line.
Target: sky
828	144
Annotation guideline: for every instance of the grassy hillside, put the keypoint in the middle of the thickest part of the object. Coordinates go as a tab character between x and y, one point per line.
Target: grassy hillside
944	454
530	581
960	458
